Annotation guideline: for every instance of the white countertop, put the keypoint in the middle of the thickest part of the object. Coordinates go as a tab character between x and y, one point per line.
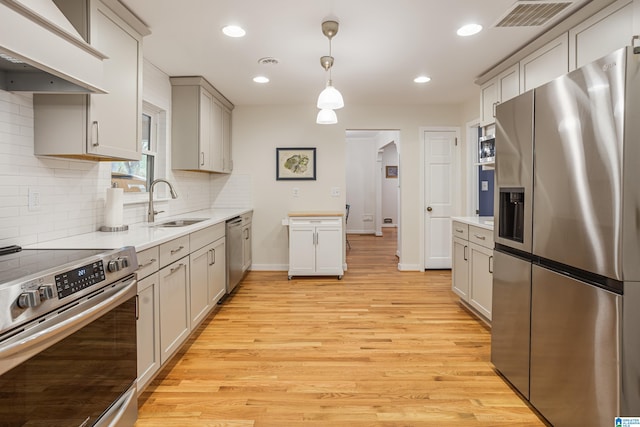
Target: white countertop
141	235
477	221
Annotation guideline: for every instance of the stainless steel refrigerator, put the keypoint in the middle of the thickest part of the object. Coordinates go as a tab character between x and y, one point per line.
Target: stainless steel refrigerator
583	364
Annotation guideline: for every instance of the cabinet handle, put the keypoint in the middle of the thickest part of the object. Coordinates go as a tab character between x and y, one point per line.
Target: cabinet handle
151	261
213	256
459	230
495	104
174	269
175	251
465	253
137	307
96	126
477	236
317	238
491	264
202	157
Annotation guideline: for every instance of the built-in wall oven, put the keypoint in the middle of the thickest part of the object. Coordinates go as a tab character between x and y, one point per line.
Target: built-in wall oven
68	338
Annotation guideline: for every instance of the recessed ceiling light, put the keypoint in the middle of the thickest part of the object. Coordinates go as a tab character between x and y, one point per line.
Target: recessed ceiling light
234	31
469	30
261	79
422	79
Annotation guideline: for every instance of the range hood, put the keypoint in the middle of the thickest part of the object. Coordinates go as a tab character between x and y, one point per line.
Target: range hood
41	52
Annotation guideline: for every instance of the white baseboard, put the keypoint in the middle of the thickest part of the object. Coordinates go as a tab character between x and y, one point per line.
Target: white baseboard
389	225
269	267
360	232
408	267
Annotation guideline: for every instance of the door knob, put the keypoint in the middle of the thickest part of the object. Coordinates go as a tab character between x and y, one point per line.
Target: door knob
429	209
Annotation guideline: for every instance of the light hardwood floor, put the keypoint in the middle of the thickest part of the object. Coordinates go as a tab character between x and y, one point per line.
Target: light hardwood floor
378	348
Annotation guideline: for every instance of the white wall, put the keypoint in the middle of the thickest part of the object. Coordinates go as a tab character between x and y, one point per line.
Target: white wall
258	130
360	163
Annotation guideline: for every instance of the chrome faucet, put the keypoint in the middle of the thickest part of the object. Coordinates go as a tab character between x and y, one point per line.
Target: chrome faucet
152	213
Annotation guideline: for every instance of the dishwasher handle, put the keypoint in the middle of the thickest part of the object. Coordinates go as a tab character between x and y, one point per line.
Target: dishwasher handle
234	221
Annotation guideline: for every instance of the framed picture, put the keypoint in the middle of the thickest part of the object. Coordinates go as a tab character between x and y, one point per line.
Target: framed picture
295	164
392	171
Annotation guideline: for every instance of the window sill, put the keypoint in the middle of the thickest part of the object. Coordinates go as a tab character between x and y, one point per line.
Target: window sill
142	198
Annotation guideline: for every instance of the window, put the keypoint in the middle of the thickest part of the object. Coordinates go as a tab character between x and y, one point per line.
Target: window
135	177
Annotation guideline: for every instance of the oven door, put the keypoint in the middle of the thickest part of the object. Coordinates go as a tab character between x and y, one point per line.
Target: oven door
76	366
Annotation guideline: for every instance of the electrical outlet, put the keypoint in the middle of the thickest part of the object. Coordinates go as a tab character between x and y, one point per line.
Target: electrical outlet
34	200
335	191
295	192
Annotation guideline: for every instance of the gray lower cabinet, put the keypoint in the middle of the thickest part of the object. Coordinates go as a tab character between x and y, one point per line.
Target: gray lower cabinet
246	241
175	322
179	283
208	273
147	325
472	271
147	332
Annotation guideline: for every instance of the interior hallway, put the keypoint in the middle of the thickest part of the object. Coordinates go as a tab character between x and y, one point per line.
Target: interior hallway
378	348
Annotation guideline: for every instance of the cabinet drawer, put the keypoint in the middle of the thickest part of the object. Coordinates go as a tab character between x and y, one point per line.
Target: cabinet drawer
481	236
460	230
201	238
316	221
148	262
173	250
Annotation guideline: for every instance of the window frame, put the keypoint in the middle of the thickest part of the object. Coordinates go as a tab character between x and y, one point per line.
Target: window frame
157	145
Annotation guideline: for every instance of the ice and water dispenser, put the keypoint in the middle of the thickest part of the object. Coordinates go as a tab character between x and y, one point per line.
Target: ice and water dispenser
511	207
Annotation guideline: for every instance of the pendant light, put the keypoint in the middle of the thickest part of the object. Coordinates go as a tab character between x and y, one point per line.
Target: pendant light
330	98
326	117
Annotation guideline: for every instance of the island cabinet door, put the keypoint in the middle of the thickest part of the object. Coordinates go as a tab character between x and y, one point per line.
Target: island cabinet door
328	249
302	249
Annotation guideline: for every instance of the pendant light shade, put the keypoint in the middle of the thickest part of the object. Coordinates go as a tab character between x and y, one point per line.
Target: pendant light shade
330	98
326	117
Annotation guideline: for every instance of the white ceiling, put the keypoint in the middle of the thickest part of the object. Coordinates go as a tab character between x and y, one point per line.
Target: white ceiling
379	49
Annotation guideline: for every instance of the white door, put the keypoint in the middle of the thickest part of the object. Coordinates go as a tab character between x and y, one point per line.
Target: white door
438	197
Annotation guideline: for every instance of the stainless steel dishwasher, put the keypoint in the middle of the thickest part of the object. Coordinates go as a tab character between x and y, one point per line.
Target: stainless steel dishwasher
234	252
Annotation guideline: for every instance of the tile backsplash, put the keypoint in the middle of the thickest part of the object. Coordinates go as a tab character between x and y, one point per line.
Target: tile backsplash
48	198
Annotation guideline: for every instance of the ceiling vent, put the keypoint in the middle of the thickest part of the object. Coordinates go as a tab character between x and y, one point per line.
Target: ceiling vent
532	13
268	61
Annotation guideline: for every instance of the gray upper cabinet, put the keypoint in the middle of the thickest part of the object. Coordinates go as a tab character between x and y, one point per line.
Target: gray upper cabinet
604	32
545	64
499	89
601	34
104	126
200	126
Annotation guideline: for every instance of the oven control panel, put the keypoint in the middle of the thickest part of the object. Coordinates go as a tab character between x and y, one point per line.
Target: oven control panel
80	278
52	279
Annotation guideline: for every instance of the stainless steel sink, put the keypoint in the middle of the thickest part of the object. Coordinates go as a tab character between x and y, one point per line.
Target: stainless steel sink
180	222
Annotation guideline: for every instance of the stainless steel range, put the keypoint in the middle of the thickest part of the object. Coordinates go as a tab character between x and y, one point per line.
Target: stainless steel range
68	338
